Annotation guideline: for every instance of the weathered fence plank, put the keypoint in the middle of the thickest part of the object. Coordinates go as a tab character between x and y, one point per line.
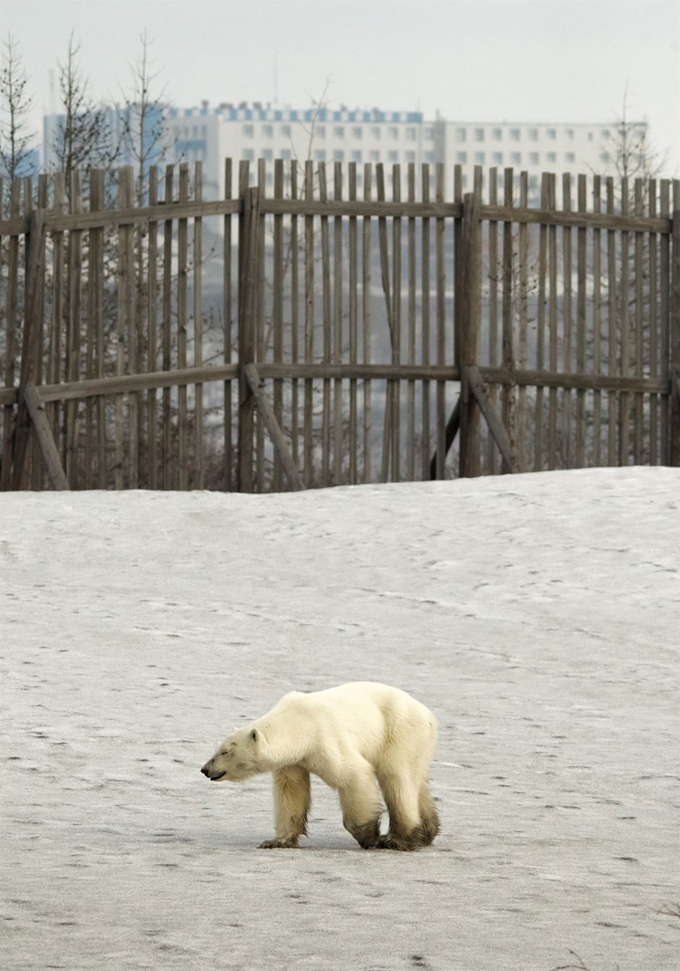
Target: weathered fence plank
273	427
31	350
493	419
36	410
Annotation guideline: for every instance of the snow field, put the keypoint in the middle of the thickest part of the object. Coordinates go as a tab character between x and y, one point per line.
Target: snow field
538	616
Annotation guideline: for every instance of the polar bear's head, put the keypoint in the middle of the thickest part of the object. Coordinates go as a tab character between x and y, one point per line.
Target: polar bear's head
237	758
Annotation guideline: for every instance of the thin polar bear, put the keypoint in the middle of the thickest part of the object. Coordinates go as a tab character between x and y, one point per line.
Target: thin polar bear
351	737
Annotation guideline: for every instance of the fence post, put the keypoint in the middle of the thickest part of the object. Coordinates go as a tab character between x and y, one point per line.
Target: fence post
30	349
247	316
674	429
469	335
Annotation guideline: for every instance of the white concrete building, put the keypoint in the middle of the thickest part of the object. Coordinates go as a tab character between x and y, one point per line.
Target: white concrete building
254	131
533	148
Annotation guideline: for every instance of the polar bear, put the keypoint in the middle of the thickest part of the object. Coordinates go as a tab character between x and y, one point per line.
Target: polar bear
350	736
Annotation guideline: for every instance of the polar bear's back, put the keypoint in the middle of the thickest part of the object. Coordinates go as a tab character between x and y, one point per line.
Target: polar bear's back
367	716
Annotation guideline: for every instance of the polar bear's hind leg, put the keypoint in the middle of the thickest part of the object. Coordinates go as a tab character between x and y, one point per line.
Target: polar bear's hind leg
429	817
402	798
361	805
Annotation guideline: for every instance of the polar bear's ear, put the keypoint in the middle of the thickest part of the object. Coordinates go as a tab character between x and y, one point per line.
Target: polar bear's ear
254	735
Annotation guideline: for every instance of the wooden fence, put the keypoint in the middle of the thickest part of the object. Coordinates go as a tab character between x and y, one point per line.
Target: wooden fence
308	331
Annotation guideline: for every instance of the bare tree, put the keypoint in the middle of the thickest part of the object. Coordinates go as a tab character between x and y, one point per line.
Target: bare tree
83	137
16	139
145	132
632	153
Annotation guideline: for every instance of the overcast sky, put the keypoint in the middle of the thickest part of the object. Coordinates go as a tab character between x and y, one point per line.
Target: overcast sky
486	60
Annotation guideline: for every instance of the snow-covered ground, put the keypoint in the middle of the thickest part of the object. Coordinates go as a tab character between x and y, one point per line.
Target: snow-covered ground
537	615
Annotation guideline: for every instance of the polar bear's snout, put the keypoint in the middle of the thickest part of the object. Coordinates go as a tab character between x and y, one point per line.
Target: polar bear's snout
210	772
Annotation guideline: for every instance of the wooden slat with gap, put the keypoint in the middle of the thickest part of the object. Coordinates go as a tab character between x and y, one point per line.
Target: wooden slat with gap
366	320
199	431
168	478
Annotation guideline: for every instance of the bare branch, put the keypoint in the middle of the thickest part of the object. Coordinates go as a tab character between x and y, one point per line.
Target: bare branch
16	141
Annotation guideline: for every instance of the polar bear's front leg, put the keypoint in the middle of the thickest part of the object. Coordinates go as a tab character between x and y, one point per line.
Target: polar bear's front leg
292	801
361	805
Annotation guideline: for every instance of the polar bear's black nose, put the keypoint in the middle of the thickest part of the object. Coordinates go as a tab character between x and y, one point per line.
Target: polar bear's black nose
205	772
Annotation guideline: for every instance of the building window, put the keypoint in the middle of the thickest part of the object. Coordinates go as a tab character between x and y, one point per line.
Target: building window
409	156
339	131
479	158
533	134
320	154
267	131
552	134
569	132
356	156
604	157
357	132
479	134
393	156
533	158
268	154
338	156
606	133
516	158
514	134
410	134
429	157
461	158
320	131
374	155
249	154
286	131
570	158
286	154
376	132
551	158
249	131
497	158
497	134
461	134
393	132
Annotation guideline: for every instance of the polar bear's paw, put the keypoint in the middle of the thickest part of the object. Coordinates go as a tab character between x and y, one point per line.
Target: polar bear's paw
390	841
279	844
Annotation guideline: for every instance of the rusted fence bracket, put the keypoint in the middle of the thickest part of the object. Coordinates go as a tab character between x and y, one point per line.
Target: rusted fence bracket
36	410
273	427
493	420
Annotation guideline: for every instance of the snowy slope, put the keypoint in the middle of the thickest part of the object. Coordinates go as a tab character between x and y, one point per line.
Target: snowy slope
537	615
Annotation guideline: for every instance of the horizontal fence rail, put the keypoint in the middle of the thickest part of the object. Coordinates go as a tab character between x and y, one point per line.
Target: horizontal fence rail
306	330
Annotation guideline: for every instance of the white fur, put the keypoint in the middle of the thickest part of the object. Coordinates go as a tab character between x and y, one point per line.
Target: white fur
350	736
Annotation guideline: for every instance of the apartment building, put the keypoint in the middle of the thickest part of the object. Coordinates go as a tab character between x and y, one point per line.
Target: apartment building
533	148
255	131
323	135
